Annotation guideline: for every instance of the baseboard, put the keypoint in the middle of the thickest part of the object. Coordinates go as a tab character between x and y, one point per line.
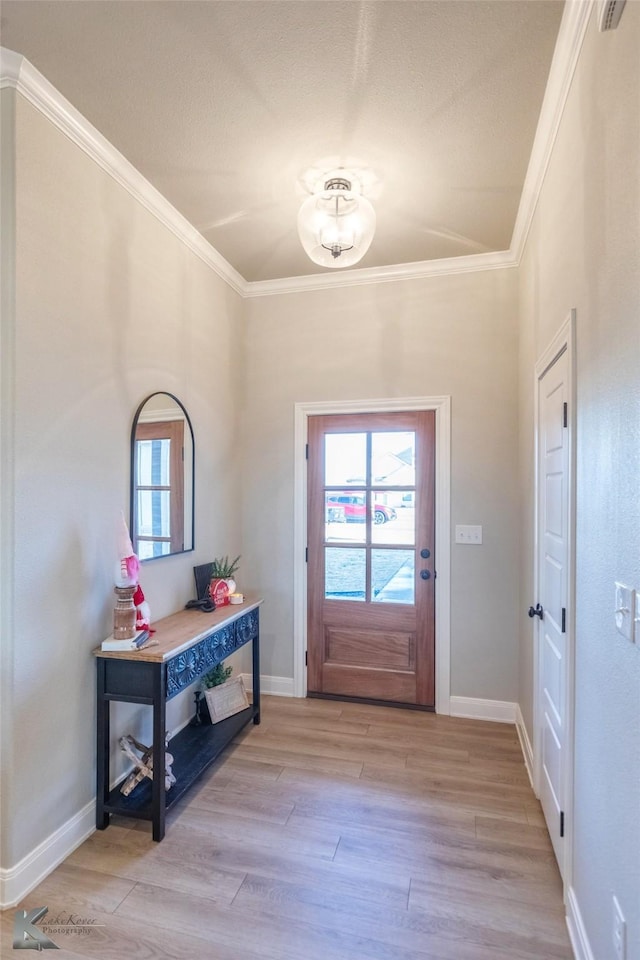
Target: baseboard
500	711
20	880
271	686
577	933
525	744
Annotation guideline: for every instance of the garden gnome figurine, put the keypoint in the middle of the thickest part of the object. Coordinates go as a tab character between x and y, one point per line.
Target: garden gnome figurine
128	565
143	613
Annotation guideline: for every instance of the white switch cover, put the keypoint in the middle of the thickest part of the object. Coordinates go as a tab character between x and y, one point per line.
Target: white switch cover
468	533
625	611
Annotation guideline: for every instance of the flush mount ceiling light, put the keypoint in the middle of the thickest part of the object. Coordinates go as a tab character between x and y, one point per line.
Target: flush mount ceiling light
336	223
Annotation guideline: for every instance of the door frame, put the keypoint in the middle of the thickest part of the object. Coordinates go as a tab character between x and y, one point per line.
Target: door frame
442	407
564	341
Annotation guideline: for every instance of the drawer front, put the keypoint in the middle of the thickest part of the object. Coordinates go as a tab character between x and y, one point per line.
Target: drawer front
188	666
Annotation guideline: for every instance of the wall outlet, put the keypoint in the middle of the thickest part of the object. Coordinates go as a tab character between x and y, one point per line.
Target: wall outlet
619	932
468	533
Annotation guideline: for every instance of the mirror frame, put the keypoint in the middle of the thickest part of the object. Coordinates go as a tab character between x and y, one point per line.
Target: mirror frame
132	484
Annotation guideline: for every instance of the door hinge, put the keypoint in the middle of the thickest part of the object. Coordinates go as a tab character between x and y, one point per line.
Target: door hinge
562	823
565	415
306	554
564	620
306	448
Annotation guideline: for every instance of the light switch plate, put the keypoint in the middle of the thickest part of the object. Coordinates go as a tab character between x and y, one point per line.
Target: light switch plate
468	533
624	611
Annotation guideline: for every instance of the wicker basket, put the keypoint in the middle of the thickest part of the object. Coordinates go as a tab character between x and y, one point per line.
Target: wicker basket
226	699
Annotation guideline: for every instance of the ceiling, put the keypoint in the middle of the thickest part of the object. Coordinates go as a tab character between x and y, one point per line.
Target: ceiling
226	105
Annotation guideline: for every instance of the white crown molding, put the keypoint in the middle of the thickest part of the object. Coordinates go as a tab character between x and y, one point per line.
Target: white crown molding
17	72
573	28
399	271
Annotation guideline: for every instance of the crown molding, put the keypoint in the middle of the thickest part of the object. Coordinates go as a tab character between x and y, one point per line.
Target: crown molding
16	71
399	271
573	28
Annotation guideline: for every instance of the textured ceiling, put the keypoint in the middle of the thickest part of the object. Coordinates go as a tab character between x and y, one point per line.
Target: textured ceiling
225	105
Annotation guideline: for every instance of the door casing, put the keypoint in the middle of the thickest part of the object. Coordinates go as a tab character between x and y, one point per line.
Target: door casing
442	407
564	340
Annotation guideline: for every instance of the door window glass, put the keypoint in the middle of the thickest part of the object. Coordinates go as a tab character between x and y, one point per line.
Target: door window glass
393	577
345	573
393	459
345	459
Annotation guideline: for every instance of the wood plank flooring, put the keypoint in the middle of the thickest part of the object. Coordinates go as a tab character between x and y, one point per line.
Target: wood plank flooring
333	831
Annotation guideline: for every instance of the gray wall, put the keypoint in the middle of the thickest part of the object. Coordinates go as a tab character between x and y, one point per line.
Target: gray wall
452	335
110	306
583	252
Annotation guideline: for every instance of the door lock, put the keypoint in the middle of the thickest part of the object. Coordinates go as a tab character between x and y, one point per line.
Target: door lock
425	553
425	574
536	611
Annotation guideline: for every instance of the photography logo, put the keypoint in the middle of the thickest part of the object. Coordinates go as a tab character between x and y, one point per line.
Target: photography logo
27	936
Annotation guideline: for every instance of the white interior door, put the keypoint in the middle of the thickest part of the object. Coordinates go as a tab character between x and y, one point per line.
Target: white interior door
553	558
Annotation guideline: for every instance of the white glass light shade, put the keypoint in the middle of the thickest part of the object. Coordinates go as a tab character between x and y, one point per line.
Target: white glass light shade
336	227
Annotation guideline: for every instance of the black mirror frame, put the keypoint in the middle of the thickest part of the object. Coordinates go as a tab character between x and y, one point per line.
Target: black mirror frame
132	510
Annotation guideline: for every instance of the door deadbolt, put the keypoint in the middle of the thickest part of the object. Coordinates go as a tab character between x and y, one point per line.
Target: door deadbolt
425	554
425	574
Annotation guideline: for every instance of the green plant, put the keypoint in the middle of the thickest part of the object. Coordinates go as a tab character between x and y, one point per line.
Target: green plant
216	676
222	568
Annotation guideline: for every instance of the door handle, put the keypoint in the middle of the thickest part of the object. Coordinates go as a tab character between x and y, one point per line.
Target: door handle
425	574
536	611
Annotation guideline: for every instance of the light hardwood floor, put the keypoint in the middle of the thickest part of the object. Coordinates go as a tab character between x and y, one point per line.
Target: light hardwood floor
334	831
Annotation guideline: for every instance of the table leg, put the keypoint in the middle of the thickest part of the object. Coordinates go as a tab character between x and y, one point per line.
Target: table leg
256	678
158	805
102	750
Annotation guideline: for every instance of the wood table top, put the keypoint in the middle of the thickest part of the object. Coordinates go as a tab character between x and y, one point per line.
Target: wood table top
182	630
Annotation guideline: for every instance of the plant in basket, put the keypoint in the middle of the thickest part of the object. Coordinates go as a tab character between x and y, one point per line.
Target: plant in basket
224	697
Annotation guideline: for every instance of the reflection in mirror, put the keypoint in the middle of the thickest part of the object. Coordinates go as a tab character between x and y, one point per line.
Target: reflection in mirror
162	478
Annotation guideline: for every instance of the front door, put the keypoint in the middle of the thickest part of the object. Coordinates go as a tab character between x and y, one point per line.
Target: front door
371	522
553	611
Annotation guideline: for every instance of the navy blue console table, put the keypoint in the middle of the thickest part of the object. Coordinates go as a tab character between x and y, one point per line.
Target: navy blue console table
189	644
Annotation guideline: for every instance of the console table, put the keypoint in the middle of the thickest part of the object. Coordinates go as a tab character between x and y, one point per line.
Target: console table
189	644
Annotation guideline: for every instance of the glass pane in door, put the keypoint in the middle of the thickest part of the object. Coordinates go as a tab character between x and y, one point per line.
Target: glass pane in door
393	459
393	577
345	459
344	516
393	518
345	573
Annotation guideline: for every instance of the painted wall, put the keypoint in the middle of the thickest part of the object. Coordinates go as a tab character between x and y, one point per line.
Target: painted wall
110	306
583	252
452	335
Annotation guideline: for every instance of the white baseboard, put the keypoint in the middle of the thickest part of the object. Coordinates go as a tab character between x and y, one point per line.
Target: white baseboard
577	933
18	881
525	743
501	711
272	686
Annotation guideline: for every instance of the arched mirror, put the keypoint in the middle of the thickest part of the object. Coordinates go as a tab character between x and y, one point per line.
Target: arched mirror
162	478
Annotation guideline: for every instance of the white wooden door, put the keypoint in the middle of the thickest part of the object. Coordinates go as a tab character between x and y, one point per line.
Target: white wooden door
553	544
